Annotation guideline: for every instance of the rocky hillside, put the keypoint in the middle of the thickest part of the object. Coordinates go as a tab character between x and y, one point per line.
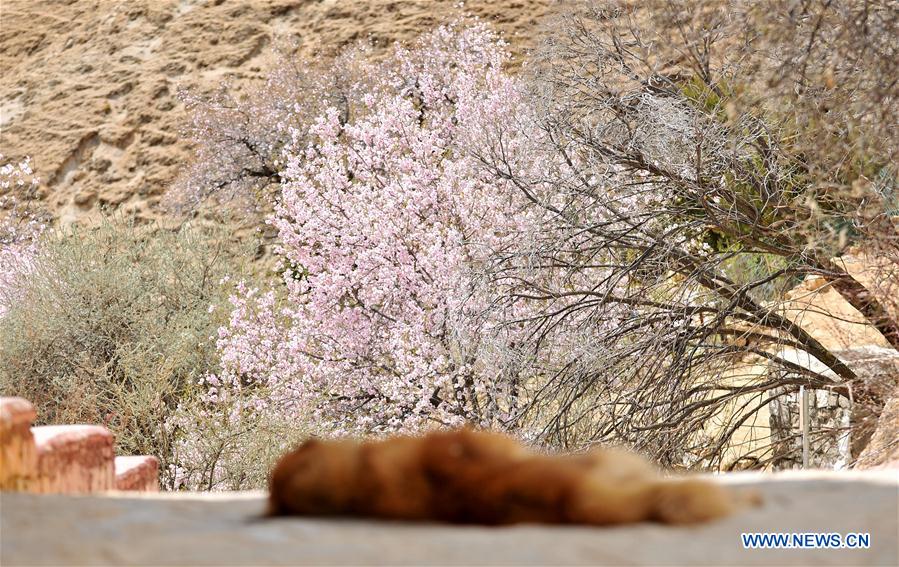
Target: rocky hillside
89	87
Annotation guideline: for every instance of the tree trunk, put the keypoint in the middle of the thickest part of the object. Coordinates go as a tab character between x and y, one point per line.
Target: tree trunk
859	297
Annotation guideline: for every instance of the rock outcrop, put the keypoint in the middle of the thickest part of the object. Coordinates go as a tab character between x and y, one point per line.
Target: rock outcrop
882	450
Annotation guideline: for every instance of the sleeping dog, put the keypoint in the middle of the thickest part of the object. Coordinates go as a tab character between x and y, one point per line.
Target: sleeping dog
466	476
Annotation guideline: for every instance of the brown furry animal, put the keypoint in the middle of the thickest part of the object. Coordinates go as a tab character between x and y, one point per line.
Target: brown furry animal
464	476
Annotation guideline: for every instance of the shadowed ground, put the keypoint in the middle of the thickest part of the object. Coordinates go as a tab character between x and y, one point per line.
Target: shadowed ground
224	529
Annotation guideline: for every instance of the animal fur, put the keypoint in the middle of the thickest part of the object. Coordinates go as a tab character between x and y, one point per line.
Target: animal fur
465	476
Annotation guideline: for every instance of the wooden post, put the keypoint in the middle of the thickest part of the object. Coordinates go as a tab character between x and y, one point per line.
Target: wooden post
804	424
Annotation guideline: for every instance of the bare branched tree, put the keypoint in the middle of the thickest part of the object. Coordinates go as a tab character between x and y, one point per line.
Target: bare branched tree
700	159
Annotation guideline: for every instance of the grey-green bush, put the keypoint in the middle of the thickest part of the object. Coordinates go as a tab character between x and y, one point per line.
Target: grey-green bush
116	326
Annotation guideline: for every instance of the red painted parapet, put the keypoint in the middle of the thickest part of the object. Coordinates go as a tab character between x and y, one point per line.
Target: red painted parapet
74	459
67	459
139	473
18	454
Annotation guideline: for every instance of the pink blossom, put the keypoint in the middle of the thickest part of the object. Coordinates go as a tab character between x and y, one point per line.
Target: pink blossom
387	222
19	233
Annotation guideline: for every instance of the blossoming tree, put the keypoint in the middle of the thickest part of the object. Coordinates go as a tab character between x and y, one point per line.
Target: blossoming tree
385	223
18	232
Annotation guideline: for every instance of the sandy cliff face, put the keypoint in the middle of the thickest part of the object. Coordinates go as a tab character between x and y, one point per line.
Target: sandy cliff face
89	87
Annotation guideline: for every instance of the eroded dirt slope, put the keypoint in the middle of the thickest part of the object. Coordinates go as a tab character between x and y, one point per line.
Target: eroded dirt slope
89	86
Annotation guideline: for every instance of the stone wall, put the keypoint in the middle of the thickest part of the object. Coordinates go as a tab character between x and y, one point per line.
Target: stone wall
829	431
839	431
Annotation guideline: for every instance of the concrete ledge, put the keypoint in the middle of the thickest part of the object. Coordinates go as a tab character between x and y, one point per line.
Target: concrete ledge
18	454
73	459
227	529
140	473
